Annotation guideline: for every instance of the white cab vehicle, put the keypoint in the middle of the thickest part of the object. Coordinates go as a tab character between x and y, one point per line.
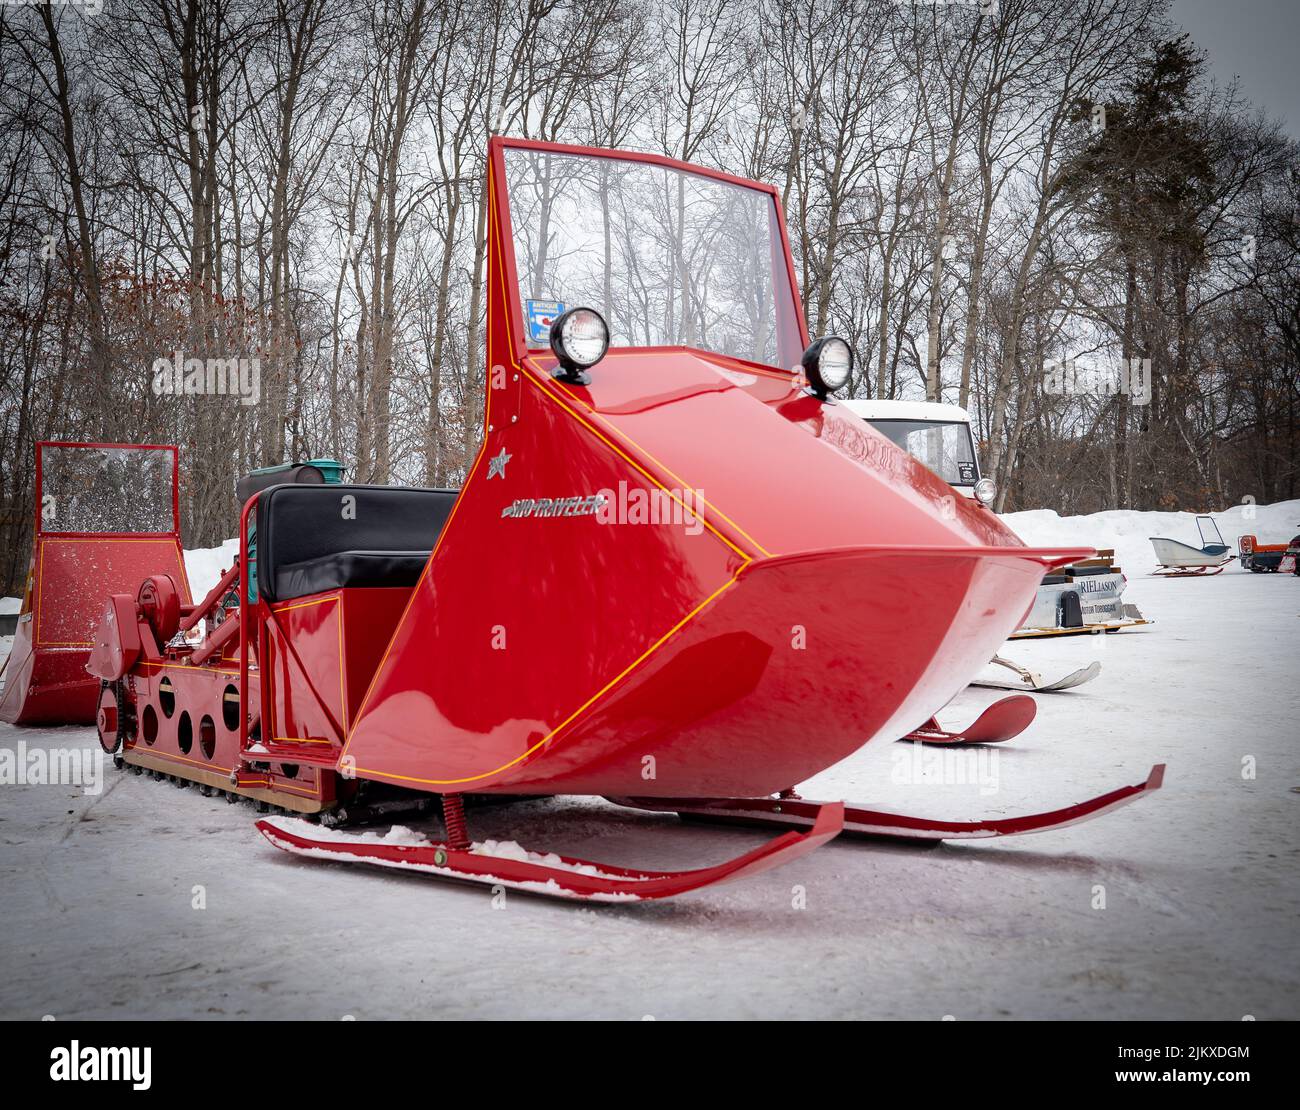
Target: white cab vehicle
935	434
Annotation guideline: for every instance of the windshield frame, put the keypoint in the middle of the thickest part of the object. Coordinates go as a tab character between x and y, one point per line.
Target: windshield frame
498	145
970	440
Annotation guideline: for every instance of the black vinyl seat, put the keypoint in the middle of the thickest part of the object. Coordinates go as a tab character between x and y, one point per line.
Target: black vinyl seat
350	568
313	538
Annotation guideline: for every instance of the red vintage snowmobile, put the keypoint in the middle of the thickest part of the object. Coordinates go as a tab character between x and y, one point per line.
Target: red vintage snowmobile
679	575
1265	558
107	514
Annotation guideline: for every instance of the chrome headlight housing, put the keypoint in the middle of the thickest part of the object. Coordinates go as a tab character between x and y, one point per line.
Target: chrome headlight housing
579	338
985	490
828	365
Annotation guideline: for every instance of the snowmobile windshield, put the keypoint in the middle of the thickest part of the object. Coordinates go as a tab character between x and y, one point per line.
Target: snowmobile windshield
666	255
106	489
945	447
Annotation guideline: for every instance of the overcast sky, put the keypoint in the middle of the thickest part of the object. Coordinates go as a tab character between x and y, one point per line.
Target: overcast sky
1255	40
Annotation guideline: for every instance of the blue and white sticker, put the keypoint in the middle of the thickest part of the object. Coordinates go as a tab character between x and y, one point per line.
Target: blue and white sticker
541	315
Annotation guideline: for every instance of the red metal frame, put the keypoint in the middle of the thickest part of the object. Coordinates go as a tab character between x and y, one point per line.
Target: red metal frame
47	681
250	506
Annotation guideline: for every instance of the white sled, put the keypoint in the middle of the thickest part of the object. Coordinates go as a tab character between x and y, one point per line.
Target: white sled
1179	560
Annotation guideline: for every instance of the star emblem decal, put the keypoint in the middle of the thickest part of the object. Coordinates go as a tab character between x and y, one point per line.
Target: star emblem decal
497	465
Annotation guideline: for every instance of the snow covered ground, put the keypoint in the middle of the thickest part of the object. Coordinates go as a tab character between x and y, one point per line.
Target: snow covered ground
1200	883
205	565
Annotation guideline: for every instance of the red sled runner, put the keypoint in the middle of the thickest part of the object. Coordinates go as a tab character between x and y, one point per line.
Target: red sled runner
648	586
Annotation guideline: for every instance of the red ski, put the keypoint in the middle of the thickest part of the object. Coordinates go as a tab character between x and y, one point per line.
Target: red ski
1000	721
799	813
1187	572
498	863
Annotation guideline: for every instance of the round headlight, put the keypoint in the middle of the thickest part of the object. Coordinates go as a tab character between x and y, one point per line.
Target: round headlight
579	338
828	365
985	490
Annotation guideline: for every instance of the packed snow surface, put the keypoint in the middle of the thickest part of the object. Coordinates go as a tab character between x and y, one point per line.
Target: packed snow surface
148	901
205	565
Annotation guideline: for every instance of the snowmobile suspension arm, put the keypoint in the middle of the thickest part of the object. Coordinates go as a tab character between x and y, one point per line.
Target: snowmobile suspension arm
209	604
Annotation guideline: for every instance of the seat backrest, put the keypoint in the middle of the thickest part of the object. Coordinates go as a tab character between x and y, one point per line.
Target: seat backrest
300	522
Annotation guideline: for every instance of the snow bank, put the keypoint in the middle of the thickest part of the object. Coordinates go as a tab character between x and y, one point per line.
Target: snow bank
205	564
8	605
1129	533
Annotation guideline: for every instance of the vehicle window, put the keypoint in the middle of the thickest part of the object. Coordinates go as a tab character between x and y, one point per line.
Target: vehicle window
946	448
106	489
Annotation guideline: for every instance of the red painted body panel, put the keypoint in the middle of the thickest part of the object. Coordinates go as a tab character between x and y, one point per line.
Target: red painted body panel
518	622
727	432
72	573
118	643
735	706
337	641
566	654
